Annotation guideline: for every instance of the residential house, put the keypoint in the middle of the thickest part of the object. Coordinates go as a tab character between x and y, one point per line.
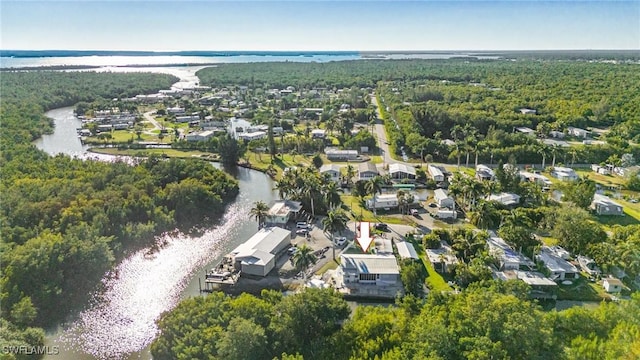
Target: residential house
257	256
602	170
200	136
341	155
540	286
505	198
383	201
484	172
281	212
381	270
603	205
539	179
318	133
559	268
402	171
564	174
187	118
367	170
443	259
612	285
442	198
526	131
249	136
436	173
406	250
577	132
556	134
588	265
332	170
508	258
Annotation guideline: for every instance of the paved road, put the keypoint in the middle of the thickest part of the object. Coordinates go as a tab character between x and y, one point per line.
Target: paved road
381	135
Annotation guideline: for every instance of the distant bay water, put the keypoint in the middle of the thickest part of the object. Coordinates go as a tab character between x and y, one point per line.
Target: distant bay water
14	59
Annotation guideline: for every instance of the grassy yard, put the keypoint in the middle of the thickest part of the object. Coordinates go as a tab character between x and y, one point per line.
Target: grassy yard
582	290
330	265
147	152
352	203
262	161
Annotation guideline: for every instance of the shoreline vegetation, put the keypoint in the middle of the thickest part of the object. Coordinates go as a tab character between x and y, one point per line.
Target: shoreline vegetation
65	221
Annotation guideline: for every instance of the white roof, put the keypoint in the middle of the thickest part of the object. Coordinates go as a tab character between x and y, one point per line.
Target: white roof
330	167
284	207
266	240
524	129
604	200
318	131
434	171
484	168
555	263
395	167
440	194
370	264
505	198
406	250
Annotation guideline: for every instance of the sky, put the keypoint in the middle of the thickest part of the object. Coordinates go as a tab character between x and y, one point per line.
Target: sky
319	25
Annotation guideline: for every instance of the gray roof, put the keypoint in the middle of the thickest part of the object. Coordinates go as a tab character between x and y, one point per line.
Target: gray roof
266	240
370	264
368	166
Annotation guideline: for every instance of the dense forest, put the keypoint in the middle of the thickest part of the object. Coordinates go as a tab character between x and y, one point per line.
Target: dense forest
64	220
476	103
490	321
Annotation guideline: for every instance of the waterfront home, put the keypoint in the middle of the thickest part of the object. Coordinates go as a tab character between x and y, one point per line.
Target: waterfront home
435	173
334	154
332	171
540	287
281	212
381	270
508	258
603	205
402	171
564	174
612	285
505	198
257	256
442	198
559	268
383	201
367	170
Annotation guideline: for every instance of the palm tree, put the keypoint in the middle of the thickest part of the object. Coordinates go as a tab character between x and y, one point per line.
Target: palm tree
259	211
349	174
543	150
335	221
304	258
373	186
555	150
332	194
284	188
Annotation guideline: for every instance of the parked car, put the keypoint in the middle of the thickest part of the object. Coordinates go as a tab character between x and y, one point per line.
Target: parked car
340	240
302	225
414	212
302	231
381	226
292	250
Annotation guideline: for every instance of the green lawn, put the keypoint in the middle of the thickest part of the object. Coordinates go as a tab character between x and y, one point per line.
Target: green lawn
582	290
330	265
606	180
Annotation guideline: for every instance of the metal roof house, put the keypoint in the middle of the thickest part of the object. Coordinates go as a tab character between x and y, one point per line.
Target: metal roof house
442	198
559	268
257	256
435	173
380	270
333	170
506	199
406	250
603	205
402	171
367	170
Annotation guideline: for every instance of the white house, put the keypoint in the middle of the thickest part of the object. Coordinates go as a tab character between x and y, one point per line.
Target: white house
602	170
577	132
383	201
436	173
603	205
588	265
564	174
333	171
281	212
506	199
381	270
509	258
442	198
556	134
559	268
257	256
367	170
612	285
255	135
402	171
539	179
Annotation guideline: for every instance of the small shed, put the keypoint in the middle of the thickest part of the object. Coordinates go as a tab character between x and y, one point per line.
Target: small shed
612	285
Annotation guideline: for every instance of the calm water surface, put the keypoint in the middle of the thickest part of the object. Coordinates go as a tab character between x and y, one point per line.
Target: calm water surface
120	322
